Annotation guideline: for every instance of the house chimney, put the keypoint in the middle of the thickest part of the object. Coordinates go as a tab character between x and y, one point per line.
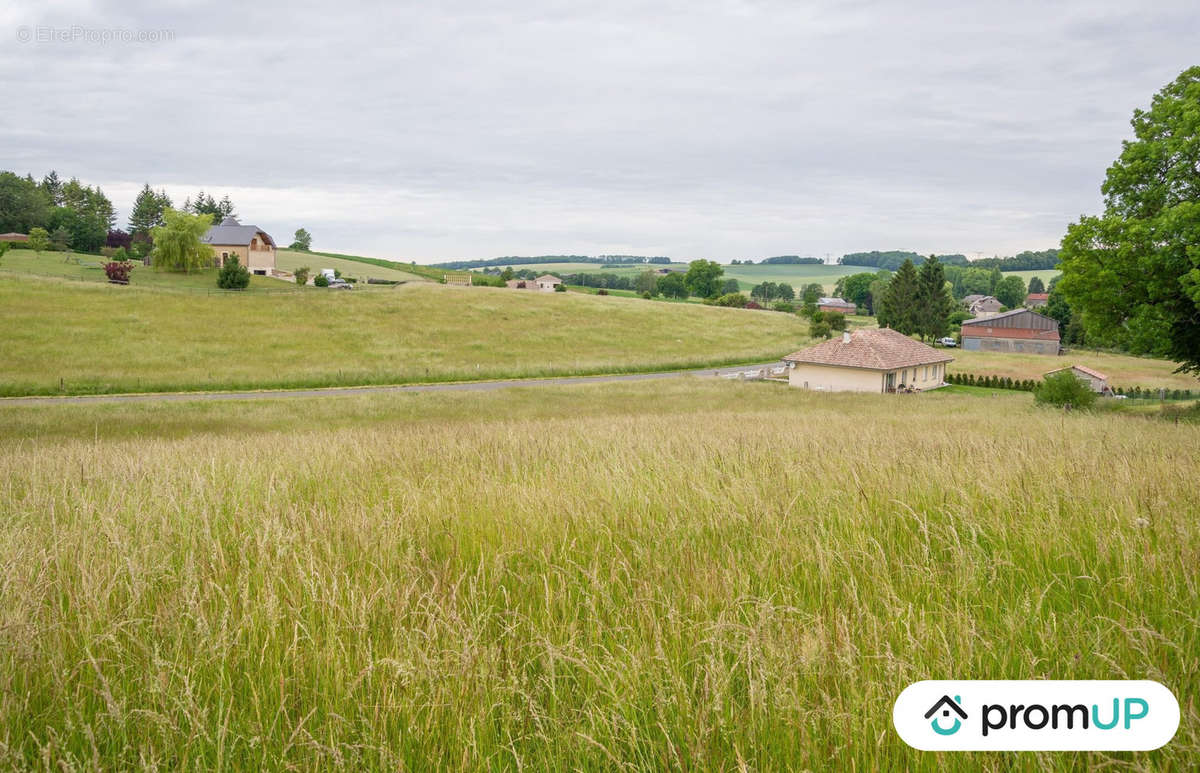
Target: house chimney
845	336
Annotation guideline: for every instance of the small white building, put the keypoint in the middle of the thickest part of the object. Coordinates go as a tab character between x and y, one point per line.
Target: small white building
547	282
869	360
1096	381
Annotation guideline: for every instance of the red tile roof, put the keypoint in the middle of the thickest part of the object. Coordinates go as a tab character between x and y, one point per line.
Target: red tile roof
1083	369
872	349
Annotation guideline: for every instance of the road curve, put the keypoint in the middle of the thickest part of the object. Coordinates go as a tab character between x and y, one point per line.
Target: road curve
461	386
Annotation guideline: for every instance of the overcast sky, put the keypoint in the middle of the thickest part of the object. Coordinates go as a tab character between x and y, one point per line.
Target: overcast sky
738	129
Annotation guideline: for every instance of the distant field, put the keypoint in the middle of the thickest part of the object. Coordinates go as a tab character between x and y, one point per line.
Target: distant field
748	276
683	575
85	337
1045	274
1122	369
290	260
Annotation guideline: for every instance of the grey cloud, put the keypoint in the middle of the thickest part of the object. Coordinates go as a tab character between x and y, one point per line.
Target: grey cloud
724	129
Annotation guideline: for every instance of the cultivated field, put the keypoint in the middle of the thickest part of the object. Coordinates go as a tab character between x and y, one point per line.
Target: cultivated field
83	337
699	575
1123	370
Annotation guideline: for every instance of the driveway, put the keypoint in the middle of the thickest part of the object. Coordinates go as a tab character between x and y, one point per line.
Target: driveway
464	386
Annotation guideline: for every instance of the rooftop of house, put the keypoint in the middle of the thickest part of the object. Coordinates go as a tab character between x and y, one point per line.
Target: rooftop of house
833	301
548	278
873	349
1082	369
1002	315
231	232
1038	297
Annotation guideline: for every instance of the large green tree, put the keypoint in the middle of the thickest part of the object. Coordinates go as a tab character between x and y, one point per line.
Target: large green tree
177	244
302	240
147	210
703	278
934	304
672	285
898	309
23	204
1133	273
1011	291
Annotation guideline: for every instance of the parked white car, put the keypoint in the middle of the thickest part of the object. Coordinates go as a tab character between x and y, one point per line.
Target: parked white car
948	341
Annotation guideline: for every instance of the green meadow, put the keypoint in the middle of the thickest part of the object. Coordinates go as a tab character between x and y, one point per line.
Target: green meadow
702	575
92	337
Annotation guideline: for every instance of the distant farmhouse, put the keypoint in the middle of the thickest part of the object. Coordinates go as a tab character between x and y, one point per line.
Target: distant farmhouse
1019	330
868	360
546	283
982	305
253	246
14	238
836	304
1036	300
1096	381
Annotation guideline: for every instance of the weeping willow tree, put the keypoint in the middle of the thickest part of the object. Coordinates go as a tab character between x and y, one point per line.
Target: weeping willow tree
177	245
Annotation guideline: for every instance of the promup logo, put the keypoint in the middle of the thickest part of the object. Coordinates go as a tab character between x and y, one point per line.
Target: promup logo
1036	715
948	706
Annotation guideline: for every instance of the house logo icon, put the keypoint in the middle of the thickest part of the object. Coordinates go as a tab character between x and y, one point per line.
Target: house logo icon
945	706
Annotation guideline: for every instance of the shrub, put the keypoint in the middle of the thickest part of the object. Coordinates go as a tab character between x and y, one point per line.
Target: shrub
233	275
645	294
601	291
820	329
320	280
785	306
561	288
734	300
836	320
753	305
1064	389
108	252
302	275
118	271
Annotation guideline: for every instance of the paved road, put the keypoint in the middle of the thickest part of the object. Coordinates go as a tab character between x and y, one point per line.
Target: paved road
466	386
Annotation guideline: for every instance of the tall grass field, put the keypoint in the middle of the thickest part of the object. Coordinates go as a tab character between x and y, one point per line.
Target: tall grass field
700	575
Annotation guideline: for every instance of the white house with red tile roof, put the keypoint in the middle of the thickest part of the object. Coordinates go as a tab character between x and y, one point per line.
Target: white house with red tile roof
868	360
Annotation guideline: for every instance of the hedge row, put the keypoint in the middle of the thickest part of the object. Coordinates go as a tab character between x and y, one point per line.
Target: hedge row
1028	385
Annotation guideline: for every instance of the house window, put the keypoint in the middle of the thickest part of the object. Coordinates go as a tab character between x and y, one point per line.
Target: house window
224	255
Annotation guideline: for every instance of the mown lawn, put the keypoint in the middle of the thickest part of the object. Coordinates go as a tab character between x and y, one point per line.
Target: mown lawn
699	575
66	337
19	266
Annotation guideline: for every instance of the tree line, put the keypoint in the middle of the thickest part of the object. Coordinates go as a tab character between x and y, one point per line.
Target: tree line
516	260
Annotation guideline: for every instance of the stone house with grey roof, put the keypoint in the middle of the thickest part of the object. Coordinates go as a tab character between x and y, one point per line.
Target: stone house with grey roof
253	246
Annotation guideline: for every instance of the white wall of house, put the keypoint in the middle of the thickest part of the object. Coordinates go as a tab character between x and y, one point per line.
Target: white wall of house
830	378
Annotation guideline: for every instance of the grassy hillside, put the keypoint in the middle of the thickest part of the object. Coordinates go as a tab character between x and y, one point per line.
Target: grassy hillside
76	337
671	576
290	260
